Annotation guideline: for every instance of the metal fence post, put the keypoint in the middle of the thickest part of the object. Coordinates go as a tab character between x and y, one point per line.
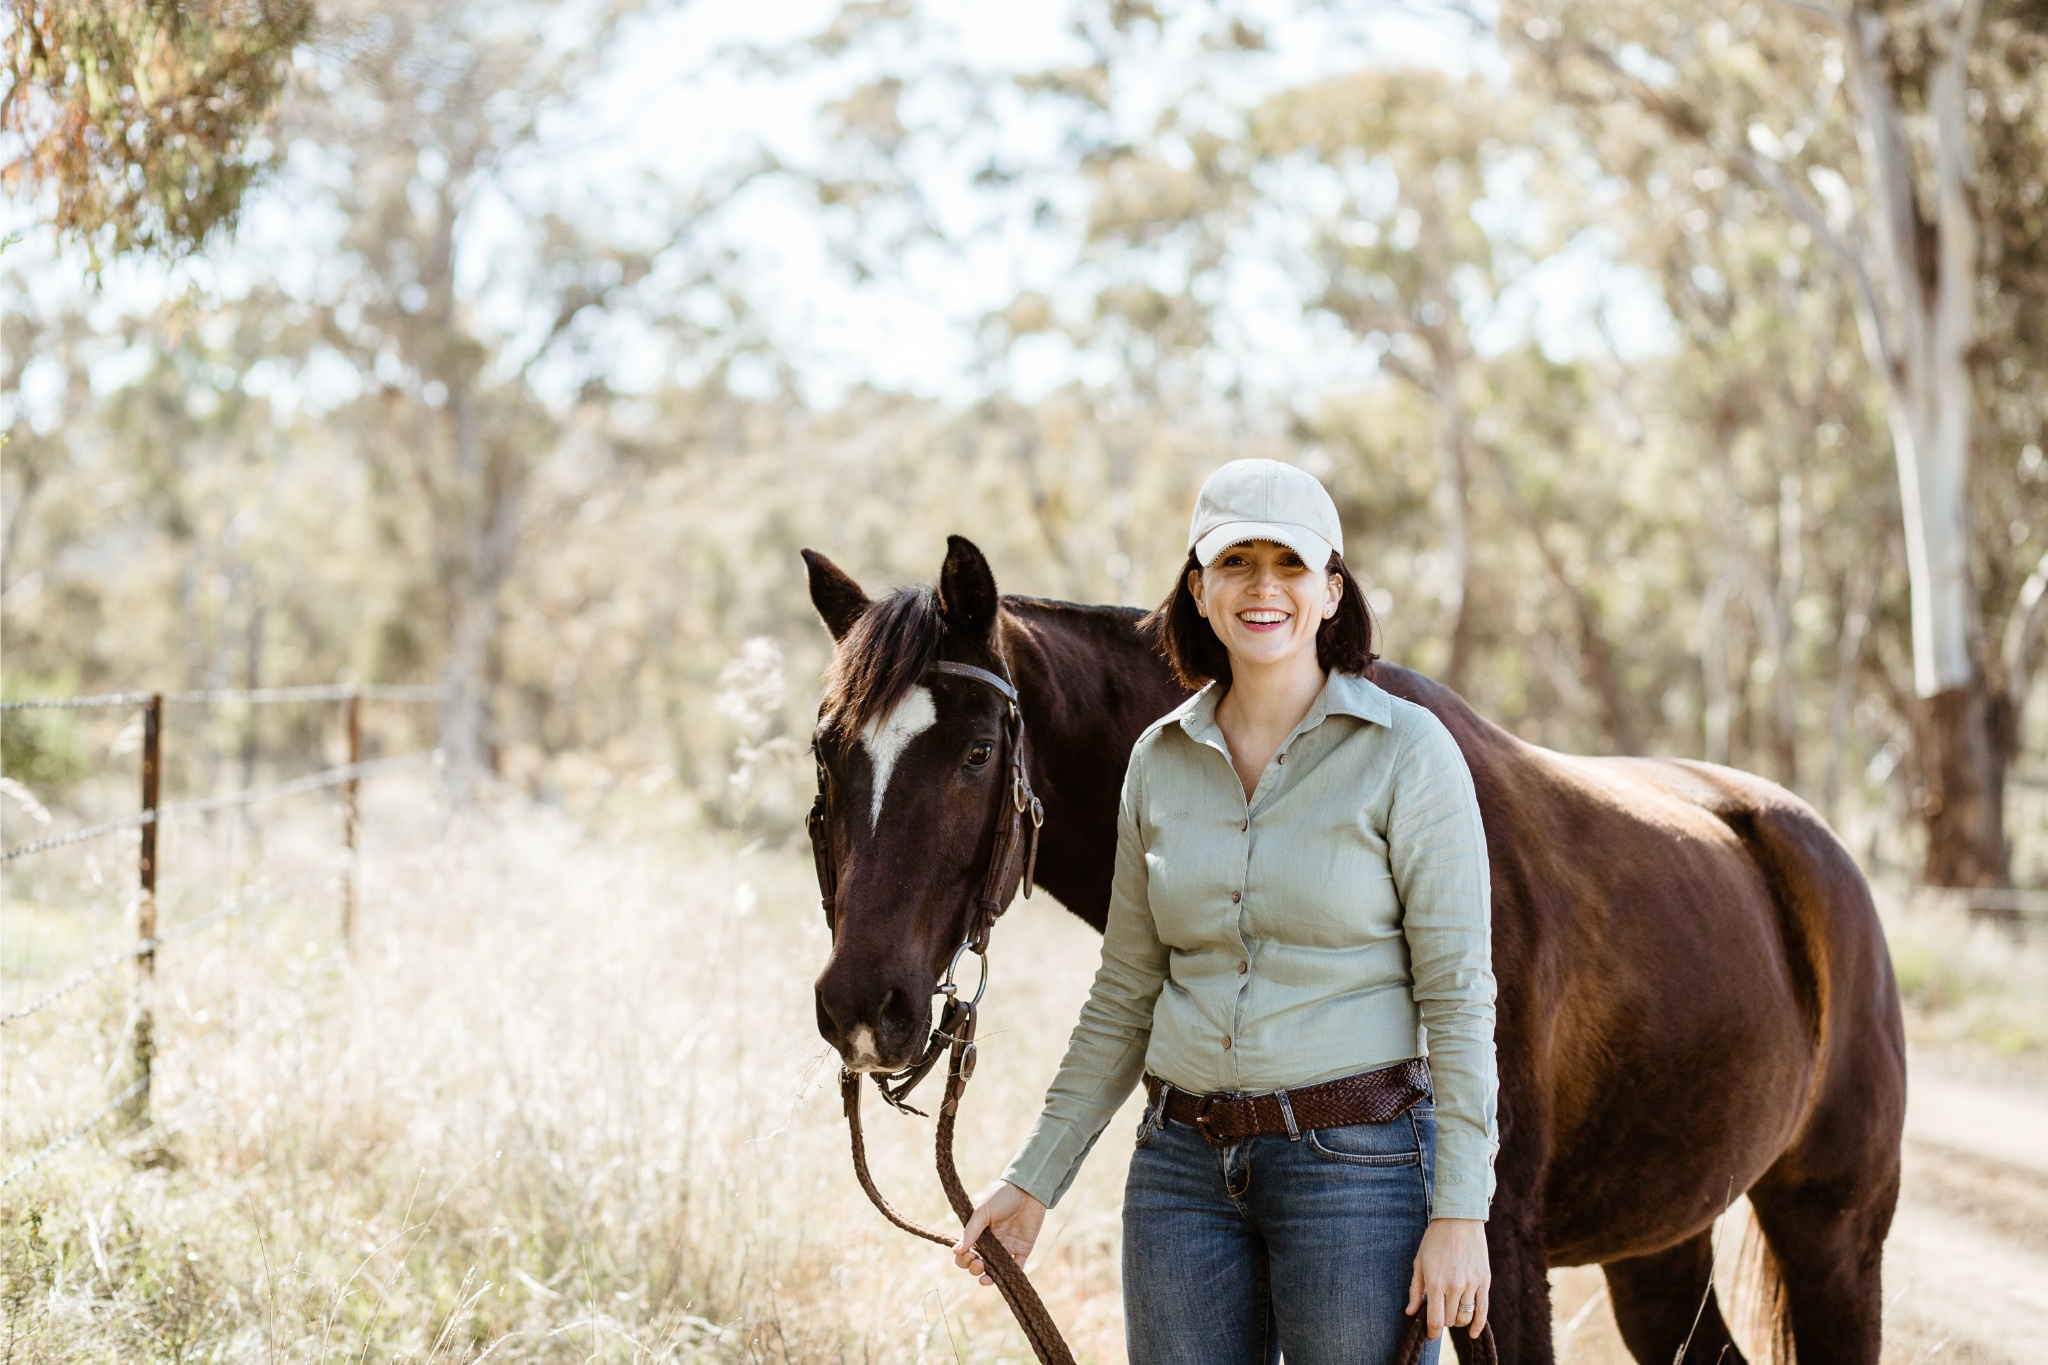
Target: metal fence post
145	914
352	712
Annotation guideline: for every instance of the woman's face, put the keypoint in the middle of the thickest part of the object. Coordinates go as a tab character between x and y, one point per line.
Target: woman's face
1264	603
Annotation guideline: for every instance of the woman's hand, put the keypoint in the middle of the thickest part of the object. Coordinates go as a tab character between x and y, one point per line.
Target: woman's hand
1016	1218
1452	1276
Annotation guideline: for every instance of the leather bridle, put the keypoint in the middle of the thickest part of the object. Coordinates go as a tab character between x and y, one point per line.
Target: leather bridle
1018	820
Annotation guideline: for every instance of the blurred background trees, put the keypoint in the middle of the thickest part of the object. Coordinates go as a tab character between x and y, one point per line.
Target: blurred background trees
140	121
1678	372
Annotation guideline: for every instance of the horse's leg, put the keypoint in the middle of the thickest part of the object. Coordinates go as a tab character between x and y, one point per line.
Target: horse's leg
1828	1238
1665	1302
1826	1203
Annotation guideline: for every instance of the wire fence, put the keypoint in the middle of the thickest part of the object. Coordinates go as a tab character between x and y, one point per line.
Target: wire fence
254	696
330	777
133	1099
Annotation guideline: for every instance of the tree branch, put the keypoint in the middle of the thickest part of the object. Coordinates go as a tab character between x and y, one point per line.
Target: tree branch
2023	629
1768	176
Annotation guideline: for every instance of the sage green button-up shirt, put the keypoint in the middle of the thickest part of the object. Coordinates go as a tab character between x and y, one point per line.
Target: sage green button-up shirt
1310	932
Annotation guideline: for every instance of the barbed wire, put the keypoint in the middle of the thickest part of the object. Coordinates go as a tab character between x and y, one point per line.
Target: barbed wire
265	696
234	907
255	696
99	1115
330	777
79	836
99	968
76	703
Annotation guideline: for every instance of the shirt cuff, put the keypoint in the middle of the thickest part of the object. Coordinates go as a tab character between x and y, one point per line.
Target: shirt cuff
1464	1176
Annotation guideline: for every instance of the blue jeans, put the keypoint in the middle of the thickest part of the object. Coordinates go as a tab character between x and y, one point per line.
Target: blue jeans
1235	1255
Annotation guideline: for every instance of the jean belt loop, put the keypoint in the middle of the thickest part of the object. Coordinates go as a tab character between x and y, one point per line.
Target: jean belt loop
1155	1113
1287	1113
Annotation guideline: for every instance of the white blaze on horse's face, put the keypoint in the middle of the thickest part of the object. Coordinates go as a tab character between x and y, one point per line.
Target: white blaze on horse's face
886	737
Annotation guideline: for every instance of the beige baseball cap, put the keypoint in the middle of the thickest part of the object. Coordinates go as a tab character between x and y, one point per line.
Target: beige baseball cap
1265	500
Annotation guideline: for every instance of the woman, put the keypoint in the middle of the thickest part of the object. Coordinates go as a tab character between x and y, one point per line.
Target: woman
1301	881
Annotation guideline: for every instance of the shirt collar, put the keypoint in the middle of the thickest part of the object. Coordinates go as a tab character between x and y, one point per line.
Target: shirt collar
1343	694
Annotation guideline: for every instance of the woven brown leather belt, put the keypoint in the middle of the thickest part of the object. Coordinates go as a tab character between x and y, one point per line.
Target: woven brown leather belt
1368	1097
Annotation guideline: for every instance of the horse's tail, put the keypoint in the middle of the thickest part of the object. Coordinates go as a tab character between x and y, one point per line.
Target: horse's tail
1756	1301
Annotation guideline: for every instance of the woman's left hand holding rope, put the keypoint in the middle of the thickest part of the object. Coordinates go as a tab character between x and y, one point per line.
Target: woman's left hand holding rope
1016	1218
1452	1276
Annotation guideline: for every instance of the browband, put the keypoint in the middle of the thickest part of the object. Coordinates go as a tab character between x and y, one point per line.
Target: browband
999	683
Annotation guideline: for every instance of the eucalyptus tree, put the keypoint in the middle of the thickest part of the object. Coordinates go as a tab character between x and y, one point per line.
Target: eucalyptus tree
1415	247
139	123
424	132
1905	143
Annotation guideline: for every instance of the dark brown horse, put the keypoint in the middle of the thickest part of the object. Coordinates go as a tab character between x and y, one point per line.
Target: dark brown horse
1695	996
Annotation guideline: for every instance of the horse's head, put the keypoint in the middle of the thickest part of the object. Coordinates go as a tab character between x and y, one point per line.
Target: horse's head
916	793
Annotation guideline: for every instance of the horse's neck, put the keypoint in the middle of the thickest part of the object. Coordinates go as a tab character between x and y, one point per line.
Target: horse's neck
1090	682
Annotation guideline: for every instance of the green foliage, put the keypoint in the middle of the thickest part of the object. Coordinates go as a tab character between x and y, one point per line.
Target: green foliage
41	750
142	118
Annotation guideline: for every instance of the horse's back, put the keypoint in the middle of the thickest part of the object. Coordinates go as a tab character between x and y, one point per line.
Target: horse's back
1695	964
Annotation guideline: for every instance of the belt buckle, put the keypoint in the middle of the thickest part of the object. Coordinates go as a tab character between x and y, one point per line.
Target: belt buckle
1201	1121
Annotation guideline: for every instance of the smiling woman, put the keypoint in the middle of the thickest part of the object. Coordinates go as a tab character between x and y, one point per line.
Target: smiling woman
1277	936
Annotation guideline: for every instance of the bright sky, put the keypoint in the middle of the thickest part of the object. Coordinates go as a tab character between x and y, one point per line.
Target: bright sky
681	102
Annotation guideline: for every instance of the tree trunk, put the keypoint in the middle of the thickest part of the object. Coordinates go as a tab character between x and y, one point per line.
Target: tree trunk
1965	744
482	555
465	703
1929	270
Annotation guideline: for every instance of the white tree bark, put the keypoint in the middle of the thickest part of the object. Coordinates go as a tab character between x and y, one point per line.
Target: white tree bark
1920	341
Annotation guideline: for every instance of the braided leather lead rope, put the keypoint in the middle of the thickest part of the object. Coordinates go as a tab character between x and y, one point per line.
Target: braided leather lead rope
1484	1352
1025	1305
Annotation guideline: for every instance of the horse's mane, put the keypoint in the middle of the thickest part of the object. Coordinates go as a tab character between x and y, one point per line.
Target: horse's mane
892	645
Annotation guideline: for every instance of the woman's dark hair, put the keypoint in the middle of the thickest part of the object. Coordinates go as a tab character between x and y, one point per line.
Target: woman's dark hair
1343	643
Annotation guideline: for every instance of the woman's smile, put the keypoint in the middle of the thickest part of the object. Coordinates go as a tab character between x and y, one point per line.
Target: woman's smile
1264	619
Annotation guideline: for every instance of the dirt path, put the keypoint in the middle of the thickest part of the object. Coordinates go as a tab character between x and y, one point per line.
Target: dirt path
1966	1269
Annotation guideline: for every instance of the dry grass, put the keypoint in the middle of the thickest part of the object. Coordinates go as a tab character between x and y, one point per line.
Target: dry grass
565	1102
1968	982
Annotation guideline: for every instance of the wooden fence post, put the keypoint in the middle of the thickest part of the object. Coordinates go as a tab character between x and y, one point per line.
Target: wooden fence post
352	711
145	913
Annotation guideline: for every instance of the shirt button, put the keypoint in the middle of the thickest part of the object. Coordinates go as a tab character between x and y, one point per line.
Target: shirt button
1236	897
1243	967
1246	825
1283	758
1226	1045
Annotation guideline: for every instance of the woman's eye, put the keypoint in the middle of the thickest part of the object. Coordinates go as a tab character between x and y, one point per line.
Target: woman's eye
980	754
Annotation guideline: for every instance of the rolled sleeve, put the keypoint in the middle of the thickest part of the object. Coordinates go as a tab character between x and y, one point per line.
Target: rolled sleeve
1106	1052
1437	855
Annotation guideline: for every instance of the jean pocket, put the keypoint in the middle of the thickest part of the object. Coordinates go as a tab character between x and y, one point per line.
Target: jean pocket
1368	1144
1146	1128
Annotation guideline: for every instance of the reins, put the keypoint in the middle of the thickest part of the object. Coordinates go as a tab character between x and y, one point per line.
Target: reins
953	1036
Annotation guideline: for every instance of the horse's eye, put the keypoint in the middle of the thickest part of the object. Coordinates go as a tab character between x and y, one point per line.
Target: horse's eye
980	754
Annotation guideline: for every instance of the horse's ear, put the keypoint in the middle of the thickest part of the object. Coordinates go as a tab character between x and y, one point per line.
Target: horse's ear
838	598
967	590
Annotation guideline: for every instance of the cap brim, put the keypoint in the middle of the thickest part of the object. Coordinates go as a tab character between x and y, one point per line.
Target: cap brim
1313	549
